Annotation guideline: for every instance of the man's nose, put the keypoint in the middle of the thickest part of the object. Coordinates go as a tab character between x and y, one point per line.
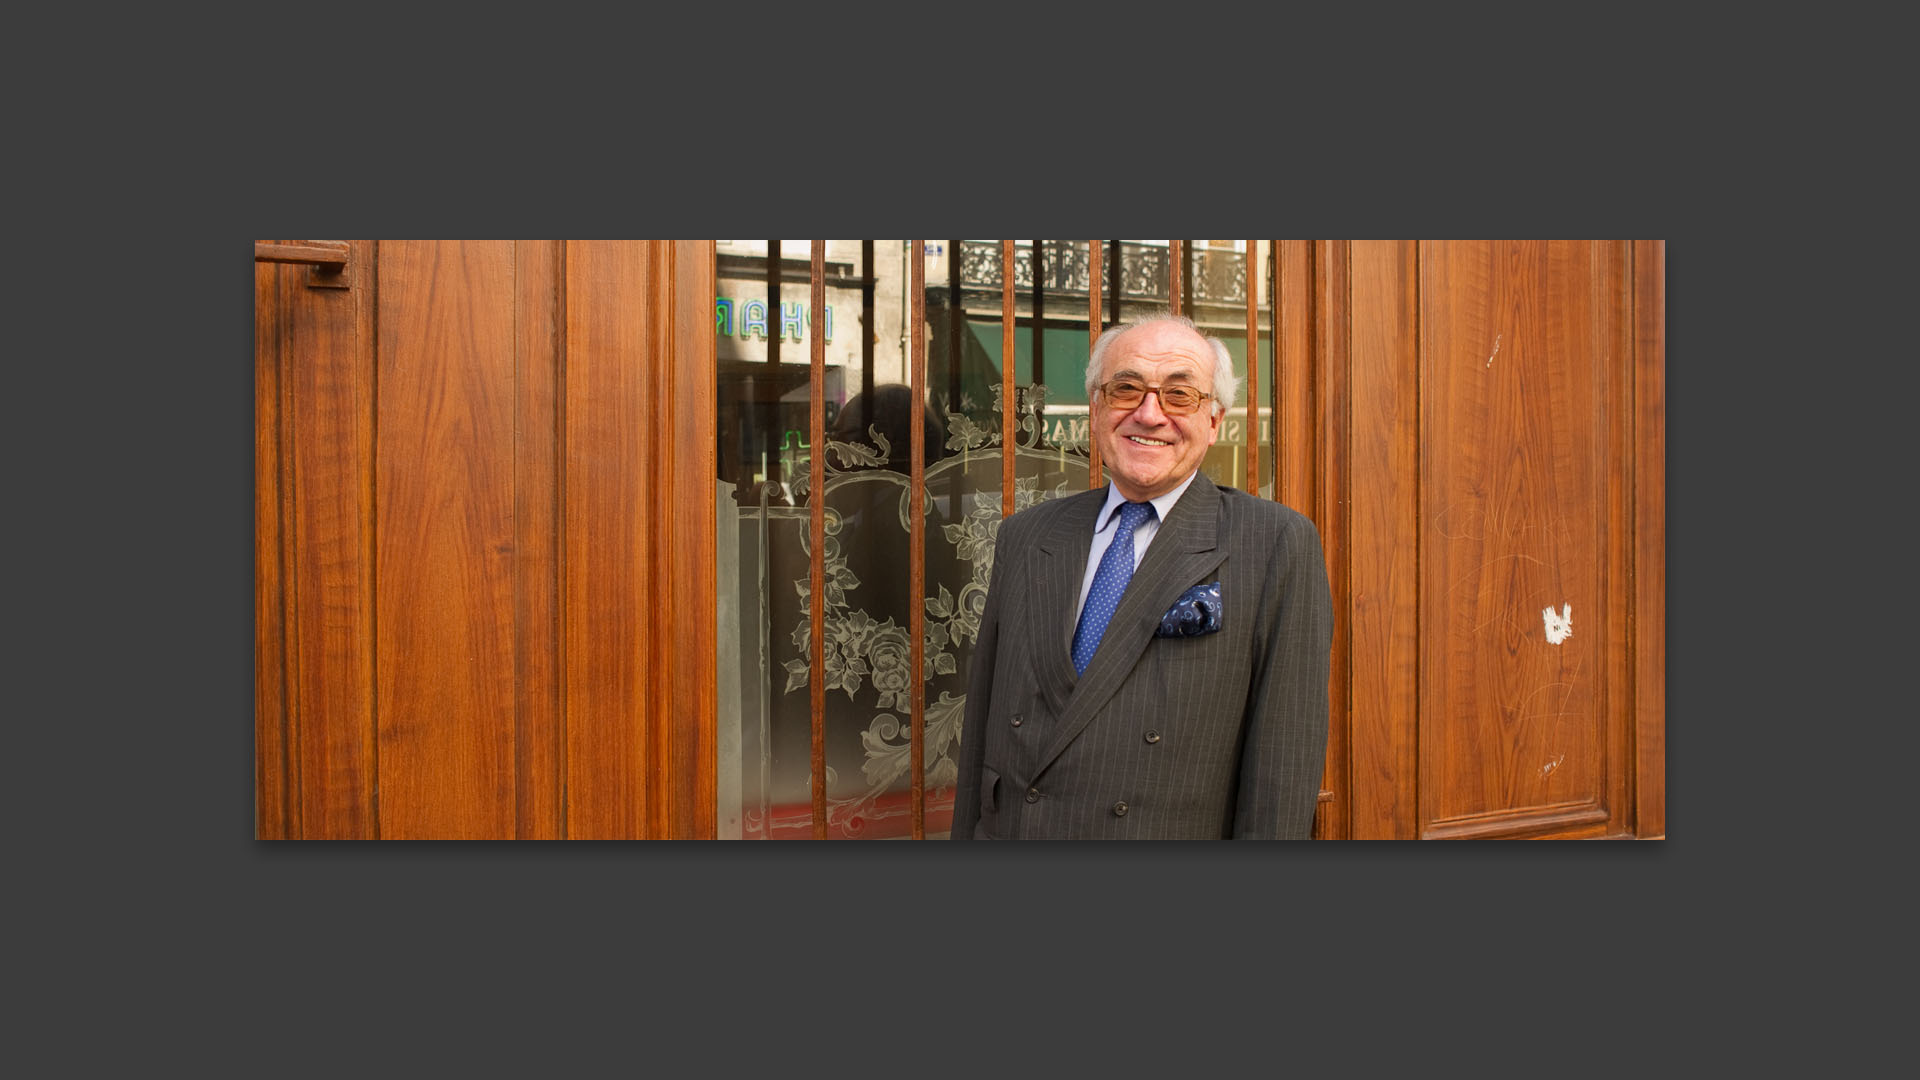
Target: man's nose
1148	411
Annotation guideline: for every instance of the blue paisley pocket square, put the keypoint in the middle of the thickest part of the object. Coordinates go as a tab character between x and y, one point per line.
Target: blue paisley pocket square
1196	612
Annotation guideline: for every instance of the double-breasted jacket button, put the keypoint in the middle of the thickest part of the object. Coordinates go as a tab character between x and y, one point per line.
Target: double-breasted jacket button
1033	794
1120	808
1153	736
1016	721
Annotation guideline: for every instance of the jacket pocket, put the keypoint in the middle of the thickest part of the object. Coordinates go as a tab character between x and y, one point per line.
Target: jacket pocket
989	781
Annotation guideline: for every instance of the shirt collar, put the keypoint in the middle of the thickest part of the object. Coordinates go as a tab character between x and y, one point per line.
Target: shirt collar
1162	505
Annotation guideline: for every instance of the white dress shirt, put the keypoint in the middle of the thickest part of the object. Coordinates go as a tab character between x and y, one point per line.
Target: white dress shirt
1143	533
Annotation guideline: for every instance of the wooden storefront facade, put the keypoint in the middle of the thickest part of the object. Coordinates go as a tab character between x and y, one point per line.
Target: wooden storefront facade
486	551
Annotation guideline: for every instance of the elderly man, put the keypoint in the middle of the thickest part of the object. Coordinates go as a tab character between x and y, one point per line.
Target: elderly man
1152	661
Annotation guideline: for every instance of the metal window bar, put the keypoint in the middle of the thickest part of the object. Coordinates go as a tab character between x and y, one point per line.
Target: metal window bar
916	536
817	563
1176	266
1253	372
1095	254
1006	378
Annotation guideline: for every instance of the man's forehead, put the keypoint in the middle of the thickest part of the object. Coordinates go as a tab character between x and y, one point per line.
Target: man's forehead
1172	351
1174	372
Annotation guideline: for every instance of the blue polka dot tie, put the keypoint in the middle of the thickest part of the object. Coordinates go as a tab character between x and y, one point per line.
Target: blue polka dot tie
1116	567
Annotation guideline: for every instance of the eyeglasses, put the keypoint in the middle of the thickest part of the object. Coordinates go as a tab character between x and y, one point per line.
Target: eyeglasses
1177	399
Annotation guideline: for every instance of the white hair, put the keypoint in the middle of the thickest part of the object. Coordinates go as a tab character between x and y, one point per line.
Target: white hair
1226	385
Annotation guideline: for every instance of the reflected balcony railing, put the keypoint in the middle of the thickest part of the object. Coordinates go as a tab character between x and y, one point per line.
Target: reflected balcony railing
1219	276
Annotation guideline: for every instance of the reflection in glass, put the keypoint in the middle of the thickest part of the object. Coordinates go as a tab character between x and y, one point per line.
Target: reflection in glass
764	328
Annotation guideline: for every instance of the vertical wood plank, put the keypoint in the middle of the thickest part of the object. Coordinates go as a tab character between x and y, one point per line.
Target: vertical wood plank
1650	536
537	730
331	391
1609	314
289	567
1383	535
1298	451
1293	374
270	783
684	675
1331	403
608	487
445	528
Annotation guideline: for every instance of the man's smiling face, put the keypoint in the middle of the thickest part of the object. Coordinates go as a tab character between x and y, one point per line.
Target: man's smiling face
1145	451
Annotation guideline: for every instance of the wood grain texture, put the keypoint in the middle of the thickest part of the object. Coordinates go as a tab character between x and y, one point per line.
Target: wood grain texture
1649	633
1607	271
270	770
1384	536
445	527
1329	510
685	674
538	748
1513	522
1297	450
410	569
329	400
608	600
1293	374
334	253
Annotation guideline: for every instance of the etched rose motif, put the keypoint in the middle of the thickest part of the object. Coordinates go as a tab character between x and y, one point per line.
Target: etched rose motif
889	650
936	660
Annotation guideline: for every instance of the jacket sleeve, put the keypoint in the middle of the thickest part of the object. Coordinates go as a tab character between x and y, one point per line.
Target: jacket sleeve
966	794
1284	755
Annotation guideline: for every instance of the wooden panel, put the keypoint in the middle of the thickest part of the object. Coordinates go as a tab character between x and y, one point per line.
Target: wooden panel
1513	522
270	779
1383	444
685	676
607	572
328	403
445	500
1650	536
1331	402
1604	269
538	749
1293	375
1297	448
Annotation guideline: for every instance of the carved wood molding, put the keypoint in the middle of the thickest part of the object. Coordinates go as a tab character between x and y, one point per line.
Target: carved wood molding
1515	823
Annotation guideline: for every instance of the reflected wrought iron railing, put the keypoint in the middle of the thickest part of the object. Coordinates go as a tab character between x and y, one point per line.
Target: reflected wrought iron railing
1219	276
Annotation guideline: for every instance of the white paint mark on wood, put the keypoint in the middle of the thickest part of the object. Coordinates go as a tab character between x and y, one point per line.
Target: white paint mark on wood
1496	348
1559	627
1547	769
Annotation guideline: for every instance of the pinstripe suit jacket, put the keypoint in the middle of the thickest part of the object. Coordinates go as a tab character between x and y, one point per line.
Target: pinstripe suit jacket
1221	735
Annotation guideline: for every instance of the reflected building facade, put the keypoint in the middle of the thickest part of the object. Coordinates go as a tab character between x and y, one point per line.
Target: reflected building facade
764	329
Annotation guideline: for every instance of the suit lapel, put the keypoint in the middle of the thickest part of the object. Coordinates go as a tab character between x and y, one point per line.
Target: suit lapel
1060	567
1187	546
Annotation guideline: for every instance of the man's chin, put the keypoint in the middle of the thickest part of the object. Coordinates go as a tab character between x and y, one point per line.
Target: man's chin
1135	491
